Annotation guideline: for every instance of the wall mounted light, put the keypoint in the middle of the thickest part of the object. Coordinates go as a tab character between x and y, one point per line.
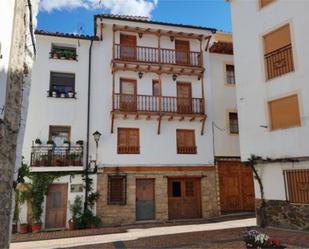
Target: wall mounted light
140	75
172	38
174	77
140	35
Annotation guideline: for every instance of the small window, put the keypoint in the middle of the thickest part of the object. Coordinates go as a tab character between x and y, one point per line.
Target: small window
230	74
128	141
176	189
284	113
155	88
62	52
186	142
62	85
297	185
189	188
278	54
233	123
59	134
117	188
263	3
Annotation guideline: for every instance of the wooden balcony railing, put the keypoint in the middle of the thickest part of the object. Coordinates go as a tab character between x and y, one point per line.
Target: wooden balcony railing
148	103
186	149
279	62
128	149
56	156
156	55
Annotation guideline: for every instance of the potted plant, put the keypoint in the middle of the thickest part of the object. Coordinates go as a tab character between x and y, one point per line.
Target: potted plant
37	142
74	159
257	240
71	94
62	55
55	53
44	160
76	210
50	144
62	95
66	143
23	228
80	143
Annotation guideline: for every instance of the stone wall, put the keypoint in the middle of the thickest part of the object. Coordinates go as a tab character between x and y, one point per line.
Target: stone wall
125	214
284	214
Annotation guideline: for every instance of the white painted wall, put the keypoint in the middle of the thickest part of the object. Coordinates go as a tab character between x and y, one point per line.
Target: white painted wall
7	8
249	24
224	100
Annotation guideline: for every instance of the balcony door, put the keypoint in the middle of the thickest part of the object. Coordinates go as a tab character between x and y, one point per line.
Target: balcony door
128	98
127	47
184	97
182	52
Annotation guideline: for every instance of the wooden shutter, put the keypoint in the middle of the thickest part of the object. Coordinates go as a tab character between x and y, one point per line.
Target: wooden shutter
284	112
117	190
277	39
185	141
297	184
128	141
263	3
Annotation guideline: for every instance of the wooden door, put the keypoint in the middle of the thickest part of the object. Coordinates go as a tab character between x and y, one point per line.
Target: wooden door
184	97
236	187
182	52
128	99
184	198
56	206
145	204
127	47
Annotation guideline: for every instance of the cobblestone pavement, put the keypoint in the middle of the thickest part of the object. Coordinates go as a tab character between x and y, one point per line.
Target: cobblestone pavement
221	235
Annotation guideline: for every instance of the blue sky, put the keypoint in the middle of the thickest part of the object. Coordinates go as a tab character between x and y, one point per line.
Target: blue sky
70	15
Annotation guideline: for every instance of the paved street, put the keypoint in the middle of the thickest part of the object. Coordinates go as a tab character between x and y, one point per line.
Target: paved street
221	235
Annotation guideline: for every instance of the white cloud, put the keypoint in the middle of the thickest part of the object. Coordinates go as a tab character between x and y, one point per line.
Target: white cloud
122	7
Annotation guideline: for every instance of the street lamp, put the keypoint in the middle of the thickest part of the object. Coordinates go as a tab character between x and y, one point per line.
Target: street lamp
96	136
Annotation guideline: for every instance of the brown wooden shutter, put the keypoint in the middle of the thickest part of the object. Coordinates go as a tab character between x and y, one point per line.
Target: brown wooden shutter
297	184
263	3
284	112
185	141
128	141
277	39
117	190
155	88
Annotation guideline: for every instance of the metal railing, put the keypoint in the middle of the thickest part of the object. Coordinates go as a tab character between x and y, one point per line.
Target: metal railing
279	62
156	55
149	103
56	156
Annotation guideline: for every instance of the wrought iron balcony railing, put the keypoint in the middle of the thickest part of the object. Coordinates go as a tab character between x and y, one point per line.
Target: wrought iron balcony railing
56	156
156	55
148	103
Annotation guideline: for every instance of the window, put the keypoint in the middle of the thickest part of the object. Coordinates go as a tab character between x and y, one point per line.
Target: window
62	85
59	134
128	141
263	3
233	122
284	113
278	53
62	52
186	142
297	185
155	88
176	189
230	74
117	189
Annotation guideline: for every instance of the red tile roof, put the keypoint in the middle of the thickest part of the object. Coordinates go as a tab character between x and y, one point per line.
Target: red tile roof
222	48
66	35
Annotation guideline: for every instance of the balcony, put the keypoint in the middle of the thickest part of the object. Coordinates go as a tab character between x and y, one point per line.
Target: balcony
57	156
279	62
158	56
151	104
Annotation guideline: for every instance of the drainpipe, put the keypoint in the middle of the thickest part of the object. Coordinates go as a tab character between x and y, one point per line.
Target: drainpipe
88	121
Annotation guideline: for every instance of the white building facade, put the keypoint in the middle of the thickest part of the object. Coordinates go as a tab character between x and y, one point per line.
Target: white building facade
271	63
150	87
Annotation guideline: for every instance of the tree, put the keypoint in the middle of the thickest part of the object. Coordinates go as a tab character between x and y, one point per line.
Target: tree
18	75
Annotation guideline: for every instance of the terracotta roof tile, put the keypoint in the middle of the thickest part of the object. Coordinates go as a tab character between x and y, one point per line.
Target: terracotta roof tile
65	35
222	48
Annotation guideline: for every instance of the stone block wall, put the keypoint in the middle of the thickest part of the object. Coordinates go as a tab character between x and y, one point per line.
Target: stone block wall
284	214
125	214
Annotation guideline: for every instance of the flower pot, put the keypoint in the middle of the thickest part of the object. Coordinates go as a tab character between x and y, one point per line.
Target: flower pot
23	228
55	56
14	228
71	225
54	94
71	94
36	227
62	95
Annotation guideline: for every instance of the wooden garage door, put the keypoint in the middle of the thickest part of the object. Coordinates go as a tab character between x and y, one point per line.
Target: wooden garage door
56	206
184	198
236	187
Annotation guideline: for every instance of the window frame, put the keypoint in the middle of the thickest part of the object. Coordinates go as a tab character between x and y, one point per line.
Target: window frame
59	128
59	93
194	151
228	121
226	83
123	200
